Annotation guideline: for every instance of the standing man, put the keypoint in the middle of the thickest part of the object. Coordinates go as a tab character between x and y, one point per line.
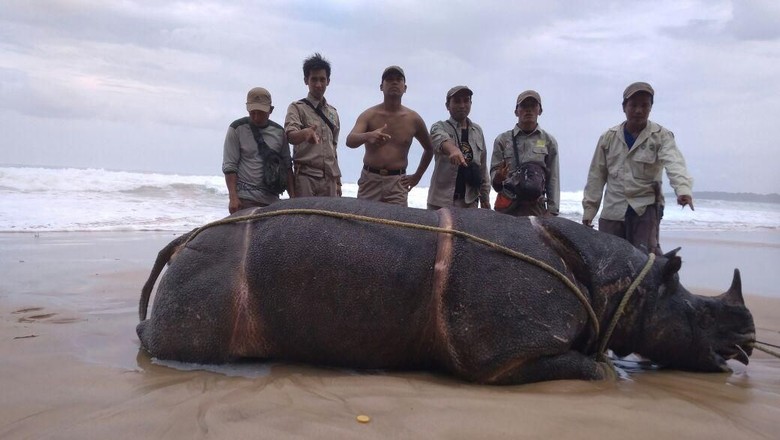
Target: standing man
460	175
256	157
387	130
629	159
312	127
524	144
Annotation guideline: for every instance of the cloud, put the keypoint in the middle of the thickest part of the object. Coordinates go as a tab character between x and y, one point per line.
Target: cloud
164	79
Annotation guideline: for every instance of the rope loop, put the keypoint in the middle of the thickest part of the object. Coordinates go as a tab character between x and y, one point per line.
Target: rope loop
594	322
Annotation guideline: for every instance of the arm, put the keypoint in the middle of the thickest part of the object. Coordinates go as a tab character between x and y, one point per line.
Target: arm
234	204
359	136
297	132
553	188
674	162
498	166
231	155
425	140
309	134
444	144
594	187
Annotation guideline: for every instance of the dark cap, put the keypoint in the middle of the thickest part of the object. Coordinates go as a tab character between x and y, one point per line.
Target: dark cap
457	89
637	87
393	69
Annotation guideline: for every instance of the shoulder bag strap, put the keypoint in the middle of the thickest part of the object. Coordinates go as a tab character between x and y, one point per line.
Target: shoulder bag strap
320	114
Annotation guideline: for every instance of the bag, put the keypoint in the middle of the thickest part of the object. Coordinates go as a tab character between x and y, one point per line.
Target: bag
274	166
528	182
472	175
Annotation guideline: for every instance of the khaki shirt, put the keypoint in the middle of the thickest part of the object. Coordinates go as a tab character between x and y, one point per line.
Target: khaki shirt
442	187
314	159
539	146
241	156
629	174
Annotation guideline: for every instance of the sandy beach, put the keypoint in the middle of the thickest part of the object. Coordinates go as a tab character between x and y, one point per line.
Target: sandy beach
71	368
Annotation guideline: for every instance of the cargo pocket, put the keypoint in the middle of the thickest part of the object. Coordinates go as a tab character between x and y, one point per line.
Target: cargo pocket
643	162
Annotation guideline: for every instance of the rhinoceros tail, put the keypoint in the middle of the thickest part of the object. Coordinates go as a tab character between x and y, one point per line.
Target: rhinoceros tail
163	257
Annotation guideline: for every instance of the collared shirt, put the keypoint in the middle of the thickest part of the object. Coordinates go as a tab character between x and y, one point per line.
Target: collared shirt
629	173
315	159
537	146
241	156
445	174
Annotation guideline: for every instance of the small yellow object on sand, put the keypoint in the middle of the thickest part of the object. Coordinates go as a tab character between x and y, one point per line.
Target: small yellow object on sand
363	418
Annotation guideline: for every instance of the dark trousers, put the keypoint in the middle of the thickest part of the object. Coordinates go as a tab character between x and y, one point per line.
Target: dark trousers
640	230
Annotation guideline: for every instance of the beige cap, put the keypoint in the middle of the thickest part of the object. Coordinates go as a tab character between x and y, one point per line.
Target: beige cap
258	99
393	69
637	87
457	89
529	94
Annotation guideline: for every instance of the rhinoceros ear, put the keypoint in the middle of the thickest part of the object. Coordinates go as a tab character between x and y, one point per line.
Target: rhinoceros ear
672	266
733	296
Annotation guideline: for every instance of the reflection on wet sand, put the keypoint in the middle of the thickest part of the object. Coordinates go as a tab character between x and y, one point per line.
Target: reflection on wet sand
88	379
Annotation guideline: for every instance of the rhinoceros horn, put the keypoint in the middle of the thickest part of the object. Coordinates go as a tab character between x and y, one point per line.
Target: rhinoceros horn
733	296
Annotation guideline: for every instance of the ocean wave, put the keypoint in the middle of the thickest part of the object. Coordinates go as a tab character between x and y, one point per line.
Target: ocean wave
69	199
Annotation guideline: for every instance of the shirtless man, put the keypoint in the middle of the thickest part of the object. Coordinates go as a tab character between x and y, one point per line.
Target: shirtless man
387	130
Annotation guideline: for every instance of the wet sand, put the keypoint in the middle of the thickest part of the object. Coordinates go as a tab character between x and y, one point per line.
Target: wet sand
70	367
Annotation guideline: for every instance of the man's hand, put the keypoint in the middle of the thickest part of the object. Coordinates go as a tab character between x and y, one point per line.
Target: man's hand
588	223
378	137
500	176
234	205
312	134
685	200
502	172
410	182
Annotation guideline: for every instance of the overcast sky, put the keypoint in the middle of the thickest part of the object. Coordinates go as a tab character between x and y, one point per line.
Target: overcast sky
153	85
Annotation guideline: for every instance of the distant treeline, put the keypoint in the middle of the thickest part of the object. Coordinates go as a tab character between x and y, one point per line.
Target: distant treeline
736	197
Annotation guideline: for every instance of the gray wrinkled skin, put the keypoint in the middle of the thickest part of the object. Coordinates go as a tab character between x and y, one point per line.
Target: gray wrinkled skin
360	295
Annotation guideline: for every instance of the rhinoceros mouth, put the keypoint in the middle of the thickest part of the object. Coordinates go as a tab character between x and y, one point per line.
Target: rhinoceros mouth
739	351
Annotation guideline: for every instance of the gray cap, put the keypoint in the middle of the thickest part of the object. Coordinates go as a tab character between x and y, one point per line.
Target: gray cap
393	69
457	89
637	87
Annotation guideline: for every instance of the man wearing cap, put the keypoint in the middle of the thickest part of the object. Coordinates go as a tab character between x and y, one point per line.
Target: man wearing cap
525	143
460	176
387	130
629	159
312	127
242	160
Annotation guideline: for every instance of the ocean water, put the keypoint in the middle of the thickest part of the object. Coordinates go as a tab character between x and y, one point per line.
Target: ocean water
49	199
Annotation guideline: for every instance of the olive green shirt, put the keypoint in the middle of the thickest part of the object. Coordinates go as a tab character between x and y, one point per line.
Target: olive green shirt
538	146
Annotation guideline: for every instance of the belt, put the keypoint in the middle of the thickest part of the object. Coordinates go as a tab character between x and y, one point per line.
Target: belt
384	172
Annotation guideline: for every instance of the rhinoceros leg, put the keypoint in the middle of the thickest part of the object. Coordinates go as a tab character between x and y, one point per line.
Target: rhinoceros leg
565	366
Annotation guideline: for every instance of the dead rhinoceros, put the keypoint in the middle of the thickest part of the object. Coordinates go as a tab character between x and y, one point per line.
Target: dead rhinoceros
309	280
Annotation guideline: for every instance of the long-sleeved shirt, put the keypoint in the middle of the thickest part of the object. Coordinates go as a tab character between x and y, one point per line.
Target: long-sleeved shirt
321	158
445	174
629	173
241	156
537	146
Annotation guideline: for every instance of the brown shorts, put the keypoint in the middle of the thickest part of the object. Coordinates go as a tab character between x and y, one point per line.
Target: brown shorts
314	184
639	230
388	189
